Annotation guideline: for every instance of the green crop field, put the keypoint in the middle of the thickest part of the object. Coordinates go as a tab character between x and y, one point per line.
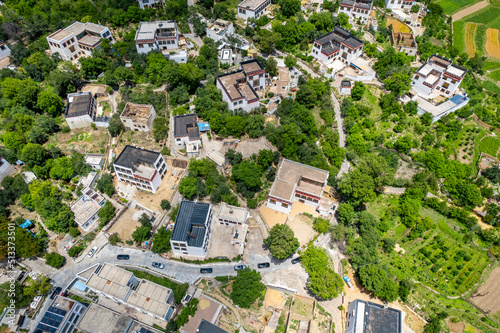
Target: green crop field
453	6
491	64
489	145
459	35
491	86
485	16
495	75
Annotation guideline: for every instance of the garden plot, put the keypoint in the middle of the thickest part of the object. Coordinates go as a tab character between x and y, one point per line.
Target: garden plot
83	140
492	43
397	25
470	32
487	297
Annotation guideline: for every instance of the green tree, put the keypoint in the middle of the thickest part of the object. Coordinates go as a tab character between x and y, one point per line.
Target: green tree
290	61
105	184
358	90
106	213
290	7
345	213
323	281
160	129
74	232
272	66
415	8
115	125
375	278
165	204
50	102
281	241
187	187
321	225
54	259
141	234
246	288
75	251
161	241
34	154
399	83
62	168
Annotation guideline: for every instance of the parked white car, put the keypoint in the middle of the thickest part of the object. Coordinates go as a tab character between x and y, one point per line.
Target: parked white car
92	252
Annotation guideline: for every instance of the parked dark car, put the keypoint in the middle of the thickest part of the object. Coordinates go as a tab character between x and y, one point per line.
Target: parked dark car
56	292
158	265
123	257
296	260
239	267
263	265
206	270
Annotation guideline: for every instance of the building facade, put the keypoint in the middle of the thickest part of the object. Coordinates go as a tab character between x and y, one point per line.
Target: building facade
78	39
220	29
6	169
138	117
438	76
232	215
191	233
96	162
404	42
356	9
158	35
141	168
368	317
86	207
80	110
399	4
339	44
296	182
150	3
252	8
239	88
4	50
186	131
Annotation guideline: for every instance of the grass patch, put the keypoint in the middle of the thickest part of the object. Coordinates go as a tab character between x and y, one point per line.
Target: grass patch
491	86
452	6
480	39
495	75
178	289
486	15
489	145
491	64
459	35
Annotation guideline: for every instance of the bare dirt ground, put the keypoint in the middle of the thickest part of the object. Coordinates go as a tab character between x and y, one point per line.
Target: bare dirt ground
469	10
404	171
487	297
294	278
220	244
254	243
272	217
302	226
455	327
274	298
126	225
253	146
165	191
138	139
83	140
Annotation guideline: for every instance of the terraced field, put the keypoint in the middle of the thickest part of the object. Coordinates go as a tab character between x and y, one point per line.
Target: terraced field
492	43
470	33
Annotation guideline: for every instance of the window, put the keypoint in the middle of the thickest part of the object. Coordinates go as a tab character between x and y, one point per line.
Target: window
272	201
141	46
453	81
284	205
446	85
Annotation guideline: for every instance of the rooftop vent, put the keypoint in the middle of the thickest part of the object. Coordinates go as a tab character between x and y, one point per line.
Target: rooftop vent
230	210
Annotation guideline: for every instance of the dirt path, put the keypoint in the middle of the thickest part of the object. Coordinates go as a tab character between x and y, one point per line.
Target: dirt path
469	10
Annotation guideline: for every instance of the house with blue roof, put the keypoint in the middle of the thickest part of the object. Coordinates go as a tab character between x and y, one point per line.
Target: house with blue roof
191	232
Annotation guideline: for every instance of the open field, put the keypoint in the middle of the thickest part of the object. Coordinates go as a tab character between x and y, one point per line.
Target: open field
492	43
469	10
491	86
397	25
495	75
490	145
470	32
453	6
459	35
487	297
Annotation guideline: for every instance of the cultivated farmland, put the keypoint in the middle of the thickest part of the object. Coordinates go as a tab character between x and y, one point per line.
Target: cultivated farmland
397	25
470	33
487	297
492	43
453	6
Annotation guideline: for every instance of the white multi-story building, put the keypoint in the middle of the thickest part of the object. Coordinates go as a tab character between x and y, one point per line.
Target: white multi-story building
186	131
158	35
232	215
296	182
404	42
399	4
78	39
150	3
356	9
4	50
364	317
220	29
339	44
86	207
123	287
438	76
252	8
138	117
80	110
141	168
239	88
191	233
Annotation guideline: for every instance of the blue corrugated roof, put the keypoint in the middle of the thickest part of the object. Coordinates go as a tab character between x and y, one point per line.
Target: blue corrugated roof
204	127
